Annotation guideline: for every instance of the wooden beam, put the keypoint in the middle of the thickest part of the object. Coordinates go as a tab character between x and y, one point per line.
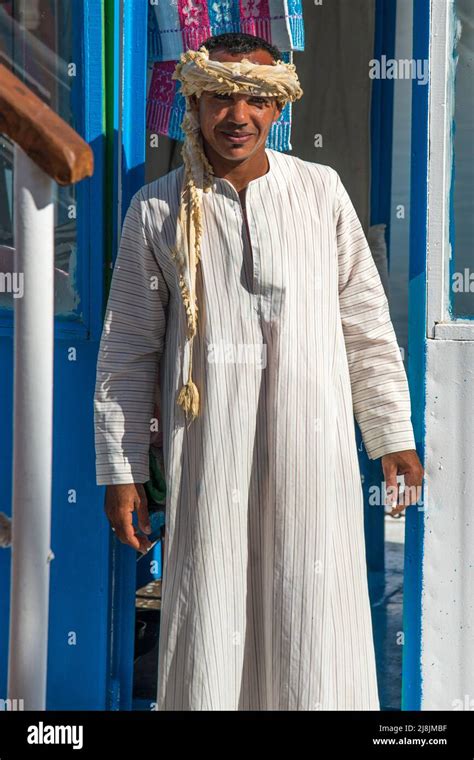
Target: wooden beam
46	138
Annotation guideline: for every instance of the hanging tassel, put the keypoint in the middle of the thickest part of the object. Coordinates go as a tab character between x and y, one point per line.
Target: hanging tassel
188	399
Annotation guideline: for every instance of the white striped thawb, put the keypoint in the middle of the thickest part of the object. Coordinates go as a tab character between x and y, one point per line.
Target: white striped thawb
265	598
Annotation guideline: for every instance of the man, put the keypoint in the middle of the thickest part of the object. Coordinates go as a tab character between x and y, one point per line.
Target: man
265	602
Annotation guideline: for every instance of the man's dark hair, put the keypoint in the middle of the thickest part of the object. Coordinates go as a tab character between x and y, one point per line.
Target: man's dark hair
237	42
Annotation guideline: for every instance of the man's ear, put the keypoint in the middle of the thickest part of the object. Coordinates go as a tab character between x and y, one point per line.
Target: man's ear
193	102
279	109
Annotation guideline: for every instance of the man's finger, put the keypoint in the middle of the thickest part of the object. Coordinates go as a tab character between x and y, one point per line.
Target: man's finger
131	538
391	485
125	531
144	543
413	477
407	495
143	516
411	494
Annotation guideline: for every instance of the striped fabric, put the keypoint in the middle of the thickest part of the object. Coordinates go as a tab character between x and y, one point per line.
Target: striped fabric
265	598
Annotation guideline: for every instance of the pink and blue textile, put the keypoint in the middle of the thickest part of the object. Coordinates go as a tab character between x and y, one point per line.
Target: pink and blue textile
178	25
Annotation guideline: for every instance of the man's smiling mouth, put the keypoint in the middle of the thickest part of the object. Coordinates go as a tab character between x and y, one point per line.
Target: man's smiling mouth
237	137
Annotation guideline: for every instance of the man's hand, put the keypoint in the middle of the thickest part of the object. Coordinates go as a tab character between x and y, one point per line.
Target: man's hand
120	501
404	463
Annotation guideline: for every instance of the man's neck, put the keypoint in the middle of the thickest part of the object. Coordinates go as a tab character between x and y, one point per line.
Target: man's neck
238	174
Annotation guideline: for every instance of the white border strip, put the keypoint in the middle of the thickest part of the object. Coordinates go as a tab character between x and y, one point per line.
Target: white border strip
439	323
439	163
454	330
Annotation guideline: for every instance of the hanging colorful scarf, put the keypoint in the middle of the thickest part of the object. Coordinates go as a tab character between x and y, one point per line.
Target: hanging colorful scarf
178	25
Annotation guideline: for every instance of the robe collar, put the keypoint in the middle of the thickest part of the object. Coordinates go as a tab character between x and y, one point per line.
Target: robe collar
224	186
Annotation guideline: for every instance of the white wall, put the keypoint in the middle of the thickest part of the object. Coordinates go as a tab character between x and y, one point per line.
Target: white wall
448	561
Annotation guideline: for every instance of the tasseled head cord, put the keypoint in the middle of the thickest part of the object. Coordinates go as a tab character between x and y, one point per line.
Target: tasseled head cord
197	73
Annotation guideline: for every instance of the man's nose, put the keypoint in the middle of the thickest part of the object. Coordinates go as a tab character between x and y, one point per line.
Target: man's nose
238	111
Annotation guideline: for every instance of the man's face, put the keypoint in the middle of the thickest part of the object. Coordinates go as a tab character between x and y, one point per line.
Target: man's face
236	126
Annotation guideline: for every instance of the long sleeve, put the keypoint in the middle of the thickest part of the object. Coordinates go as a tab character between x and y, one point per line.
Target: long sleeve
131	346
380	393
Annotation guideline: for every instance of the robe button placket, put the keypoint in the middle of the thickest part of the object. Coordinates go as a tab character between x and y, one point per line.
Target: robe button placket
253	250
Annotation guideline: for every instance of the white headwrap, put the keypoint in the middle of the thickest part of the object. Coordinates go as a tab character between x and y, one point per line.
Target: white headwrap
197	73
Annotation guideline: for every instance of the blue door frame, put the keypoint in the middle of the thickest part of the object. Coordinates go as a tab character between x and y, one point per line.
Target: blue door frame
129	22
381	127
411	681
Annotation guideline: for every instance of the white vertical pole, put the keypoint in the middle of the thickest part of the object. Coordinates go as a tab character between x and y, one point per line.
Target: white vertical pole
32	433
